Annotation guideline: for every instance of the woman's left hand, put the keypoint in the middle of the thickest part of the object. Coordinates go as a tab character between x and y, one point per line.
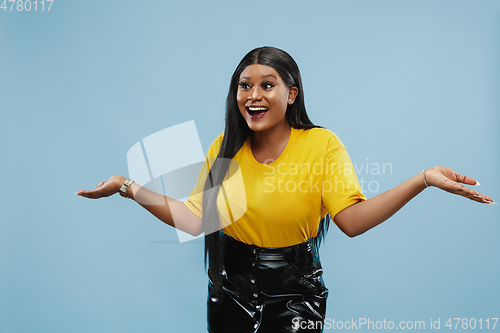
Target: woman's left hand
451	181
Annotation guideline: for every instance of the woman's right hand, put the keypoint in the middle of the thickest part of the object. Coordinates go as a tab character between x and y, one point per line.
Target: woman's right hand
104	188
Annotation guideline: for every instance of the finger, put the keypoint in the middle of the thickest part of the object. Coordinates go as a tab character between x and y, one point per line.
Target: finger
101	183
84	193
465	180
474	195
479	196
468	195
488	202
449	184
80	193
457	188
485	198
92	194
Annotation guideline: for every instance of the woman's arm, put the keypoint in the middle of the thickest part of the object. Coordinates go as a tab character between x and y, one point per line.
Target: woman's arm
168	210
362	216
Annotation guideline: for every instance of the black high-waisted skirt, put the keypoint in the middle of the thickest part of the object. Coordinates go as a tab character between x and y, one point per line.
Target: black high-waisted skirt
269	290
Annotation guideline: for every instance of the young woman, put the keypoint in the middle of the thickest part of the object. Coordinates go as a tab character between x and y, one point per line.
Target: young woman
263	229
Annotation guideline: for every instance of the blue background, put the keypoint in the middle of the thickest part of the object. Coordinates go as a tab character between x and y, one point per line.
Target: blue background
411	83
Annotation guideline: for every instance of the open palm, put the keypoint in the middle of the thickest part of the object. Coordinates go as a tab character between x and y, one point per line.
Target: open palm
103	189
451	181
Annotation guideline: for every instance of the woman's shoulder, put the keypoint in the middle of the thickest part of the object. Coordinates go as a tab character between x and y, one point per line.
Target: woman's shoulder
214	148
320	136
218	139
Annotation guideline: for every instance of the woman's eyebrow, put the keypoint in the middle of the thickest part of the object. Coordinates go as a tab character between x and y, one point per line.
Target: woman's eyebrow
270	75
247	78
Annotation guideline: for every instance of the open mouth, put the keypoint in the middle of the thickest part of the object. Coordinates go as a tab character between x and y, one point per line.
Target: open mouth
256	112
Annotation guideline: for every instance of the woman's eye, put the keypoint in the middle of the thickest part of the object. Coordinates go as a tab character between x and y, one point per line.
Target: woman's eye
268	85
243	85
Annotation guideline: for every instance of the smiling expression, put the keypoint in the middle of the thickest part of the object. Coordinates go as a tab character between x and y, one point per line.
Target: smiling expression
263	97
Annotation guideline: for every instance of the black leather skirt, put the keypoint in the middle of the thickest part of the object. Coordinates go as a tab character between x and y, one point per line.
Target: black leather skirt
269	290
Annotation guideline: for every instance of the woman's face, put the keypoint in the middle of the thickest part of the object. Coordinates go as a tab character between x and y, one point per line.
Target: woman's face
263	97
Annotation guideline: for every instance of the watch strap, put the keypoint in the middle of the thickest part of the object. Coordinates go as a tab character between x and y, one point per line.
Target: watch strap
124	188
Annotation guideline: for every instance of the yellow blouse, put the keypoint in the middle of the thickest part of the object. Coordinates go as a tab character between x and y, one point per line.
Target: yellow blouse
281	203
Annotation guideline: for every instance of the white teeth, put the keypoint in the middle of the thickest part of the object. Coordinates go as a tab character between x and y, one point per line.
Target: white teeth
257	109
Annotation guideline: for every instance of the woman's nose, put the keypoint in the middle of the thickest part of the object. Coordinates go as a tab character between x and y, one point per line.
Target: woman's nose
255	94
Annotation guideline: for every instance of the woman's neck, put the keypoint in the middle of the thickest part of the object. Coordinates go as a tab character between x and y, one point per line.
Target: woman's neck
269	144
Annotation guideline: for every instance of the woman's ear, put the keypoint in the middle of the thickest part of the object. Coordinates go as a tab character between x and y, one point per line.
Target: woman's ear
292	94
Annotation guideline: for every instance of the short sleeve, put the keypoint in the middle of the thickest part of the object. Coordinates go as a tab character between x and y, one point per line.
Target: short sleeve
341	187
195	201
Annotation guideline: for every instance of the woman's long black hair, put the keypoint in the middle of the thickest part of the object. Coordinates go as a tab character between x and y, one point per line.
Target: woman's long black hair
235	133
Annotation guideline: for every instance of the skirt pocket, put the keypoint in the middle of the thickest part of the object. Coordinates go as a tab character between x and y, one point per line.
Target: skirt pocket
312	279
